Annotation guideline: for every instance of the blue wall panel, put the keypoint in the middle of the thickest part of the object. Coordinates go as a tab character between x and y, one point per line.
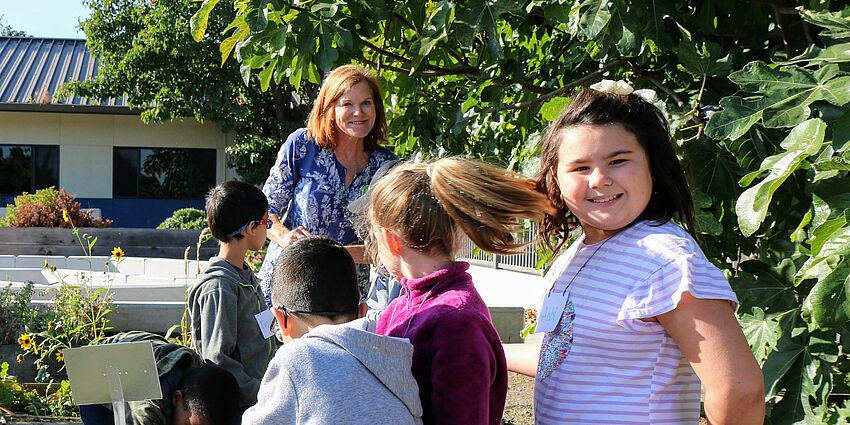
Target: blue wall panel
144	213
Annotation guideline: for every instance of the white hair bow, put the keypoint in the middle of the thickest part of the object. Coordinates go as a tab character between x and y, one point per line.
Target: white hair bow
613	87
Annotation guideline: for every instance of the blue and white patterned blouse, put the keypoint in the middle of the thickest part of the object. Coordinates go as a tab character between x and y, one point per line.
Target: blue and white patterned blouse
306	187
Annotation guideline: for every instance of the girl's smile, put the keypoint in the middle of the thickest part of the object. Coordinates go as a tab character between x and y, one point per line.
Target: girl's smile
604	177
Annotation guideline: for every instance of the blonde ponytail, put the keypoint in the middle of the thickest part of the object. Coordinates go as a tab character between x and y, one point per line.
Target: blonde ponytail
429	205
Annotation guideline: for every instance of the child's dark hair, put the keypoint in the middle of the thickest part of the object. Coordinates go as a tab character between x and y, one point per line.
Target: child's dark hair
211	392
316	275
431	205
232	205
671	198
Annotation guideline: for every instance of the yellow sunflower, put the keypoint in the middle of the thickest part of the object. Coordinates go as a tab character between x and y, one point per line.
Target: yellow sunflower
117	253
19	358
65	216
45	264
26	342
60	356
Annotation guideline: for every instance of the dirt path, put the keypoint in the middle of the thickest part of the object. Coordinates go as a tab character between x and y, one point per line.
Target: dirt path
518	407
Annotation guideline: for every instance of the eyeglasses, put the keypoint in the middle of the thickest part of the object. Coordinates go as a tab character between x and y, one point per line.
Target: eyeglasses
264	222
286	312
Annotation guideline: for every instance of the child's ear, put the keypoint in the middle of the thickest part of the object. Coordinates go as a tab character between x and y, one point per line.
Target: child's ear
362	309
394	243
278	315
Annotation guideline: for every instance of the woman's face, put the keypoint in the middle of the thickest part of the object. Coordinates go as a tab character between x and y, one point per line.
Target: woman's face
354	112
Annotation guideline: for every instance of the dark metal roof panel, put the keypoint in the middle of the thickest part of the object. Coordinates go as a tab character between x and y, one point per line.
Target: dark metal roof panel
32	69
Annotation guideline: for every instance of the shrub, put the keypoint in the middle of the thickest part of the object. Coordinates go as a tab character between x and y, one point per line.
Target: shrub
15	312
45	208
186	218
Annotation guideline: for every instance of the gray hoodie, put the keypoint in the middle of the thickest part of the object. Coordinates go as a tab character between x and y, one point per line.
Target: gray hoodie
222	305
339	374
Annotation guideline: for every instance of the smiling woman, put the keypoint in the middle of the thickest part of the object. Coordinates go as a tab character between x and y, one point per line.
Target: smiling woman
321	168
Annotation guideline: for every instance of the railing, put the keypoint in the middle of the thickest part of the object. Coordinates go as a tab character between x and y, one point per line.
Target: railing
523	262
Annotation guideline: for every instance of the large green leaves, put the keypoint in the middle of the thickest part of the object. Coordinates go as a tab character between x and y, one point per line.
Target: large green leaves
804	140
198	22
828	306
762	332
787	96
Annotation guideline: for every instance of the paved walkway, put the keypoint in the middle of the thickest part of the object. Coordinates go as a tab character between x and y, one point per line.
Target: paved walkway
505	288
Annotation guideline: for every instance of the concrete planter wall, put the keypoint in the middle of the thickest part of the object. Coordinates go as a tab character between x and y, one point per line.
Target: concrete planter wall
152	243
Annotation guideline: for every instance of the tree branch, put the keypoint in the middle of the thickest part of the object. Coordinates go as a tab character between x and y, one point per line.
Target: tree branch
787	39
665	89
565	88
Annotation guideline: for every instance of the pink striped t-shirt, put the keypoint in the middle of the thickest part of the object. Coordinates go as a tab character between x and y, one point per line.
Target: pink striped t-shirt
602	364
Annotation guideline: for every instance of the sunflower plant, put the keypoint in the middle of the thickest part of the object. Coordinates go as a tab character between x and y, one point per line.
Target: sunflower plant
78	316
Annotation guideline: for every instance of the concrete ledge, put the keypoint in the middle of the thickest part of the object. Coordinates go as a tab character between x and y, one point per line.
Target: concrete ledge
508	321
37	261
150	316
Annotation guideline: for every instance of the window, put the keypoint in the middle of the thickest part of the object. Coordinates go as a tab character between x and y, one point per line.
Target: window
27	168
162	173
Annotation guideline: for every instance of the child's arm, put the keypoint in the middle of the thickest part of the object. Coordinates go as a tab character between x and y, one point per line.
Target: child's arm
522	358
710	338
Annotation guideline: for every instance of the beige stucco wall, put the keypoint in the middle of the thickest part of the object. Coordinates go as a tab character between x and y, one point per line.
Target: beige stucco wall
86	141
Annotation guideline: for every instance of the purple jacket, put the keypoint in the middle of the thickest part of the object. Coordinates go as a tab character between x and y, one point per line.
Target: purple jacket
458	360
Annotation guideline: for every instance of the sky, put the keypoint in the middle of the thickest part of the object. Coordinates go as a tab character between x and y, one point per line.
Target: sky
45	18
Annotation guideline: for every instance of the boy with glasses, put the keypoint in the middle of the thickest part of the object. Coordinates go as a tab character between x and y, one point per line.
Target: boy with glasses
331	369
226	304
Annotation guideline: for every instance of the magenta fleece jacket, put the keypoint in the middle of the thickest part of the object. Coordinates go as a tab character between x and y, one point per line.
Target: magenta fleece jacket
458	360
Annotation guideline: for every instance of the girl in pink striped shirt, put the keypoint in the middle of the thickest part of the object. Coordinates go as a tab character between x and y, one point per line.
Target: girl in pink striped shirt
636	316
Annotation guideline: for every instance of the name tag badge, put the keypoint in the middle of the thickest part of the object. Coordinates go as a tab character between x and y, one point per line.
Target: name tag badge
550	314
264	320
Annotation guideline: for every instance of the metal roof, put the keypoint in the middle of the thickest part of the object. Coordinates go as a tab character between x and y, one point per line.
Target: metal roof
32	69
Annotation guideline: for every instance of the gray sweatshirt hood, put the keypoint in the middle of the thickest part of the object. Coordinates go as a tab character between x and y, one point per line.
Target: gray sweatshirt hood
220	268
388	359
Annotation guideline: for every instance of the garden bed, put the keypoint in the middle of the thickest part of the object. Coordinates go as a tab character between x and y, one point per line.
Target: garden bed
166	243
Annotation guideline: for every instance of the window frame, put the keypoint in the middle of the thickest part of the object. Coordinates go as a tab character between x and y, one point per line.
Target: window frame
33	161
190	166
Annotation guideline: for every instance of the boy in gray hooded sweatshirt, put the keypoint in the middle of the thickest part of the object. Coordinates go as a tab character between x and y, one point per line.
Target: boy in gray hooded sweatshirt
331	370
227	296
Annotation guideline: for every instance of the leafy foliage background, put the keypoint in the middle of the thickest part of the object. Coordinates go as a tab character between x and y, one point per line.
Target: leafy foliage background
756	91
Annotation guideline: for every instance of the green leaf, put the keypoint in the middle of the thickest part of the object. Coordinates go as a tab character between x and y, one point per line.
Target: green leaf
758	77
833	164
482	16
553	108
707	223
827	305
594	20
803	141
778	364
266	74
226	47
772	289
837	24
737	116
257	18
762	332
198	22
838	243
814	55
245	71
702	60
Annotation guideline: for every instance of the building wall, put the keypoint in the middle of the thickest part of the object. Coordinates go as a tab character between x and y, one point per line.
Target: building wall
85	155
